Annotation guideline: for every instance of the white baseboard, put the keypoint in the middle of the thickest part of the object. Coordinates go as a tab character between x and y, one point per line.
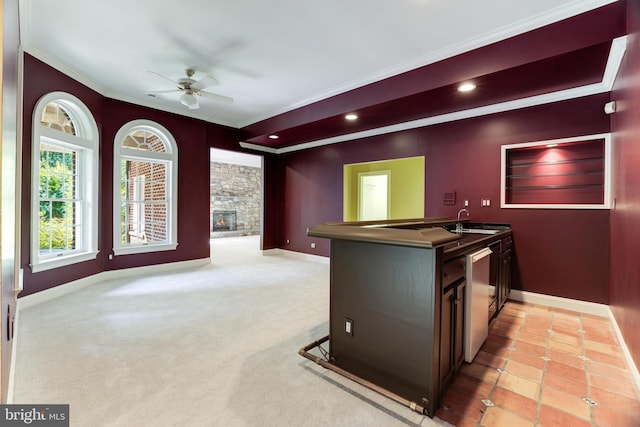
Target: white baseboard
297	255
627	354
559	302
587	308
272	252
58	291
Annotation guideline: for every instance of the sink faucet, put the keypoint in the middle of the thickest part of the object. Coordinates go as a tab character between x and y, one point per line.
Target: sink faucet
459	224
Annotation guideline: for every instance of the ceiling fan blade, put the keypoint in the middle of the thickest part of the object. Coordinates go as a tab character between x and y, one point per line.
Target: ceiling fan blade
164	91
215	97
164	77
204	82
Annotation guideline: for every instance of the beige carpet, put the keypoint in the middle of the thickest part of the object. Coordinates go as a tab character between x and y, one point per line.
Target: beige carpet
214	346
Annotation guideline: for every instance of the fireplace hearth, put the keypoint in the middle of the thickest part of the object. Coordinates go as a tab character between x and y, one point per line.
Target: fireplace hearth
224	221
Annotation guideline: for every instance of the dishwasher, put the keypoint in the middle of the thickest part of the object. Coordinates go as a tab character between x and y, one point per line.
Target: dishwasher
476	316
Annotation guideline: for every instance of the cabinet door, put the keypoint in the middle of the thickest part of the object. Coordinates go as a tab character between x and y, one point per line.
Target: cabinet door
505	277
458	335
446	333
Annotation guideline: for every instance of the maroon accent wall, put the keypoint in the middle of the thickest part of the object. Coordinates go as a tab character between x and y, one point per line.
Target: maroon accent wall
40	79
600	25
193	137
558	252
193	187
273	202
577	68
624	296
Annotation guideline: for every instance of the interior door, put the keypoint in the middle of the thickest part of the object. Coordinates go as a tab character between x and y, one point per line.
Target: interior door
374	195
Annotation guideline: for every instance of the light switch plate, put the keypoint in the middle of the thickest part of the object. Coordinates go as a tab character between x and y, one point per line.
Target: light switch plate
348	326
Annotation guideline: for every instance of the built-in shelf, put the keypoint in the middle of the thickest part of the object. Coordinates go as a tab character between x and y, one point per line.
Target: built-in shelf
568	173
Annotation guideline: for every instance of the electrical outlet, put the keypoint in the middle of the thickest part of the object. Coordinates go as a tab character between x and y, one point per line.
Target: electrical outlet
313	246
348	326
466	203
287	241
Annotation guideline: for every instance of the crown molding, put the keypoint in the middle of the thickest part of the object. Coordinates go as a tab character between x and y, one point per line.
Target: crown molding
557	14
616	53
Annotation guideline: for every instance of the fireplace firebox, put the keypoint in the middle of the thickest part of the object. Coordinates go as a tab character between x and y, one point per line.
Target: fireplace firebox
224	221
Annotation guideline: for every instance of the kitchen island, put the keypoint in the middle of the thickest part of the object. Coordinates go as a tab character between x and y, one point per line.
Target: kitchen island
397	303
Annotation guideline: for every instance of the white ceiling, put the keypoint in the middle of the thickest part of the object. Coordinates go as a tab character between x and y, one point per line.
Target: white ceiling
269	56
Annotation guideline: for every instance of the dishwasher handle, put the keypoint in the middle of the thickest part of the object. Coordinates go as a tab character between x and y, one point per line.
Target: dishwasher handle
477	256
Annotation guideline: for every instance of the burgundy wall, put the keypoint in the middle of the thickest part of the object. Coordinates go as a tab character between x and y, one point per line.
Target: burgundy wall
325	117
625	218
558	252
272	203
193	182
40	79
193	137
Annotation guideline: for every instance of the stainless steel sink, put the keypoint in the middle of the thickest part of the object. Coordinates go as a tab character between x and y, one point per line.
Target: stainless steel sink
478	231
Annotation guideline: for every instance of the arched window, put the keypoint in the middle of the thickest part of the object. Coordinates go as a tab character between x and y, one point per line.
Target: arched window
64	195
145	183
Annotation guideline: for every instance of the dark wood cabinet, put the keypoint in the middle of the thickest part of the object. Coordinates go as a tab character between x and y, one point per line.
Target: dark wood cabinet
452	321
397	306
391	295
504	272
499	274
458	328
446	336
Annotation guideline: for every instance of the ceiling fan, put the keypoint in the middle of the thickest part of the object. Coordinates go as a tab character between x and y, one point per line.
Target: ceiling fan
191	89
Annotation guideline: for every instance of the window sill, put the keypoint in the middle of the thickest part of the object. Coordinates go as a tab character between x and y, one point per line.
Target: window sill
144	249
63	261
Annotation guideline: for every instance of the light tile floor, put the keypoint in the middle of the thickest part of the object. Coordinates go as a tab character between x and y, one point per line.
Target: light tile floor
542	366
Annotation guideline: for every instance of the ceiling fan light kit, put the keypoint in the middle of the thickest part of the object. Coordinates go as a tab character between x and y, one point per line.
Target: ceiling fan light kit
189	100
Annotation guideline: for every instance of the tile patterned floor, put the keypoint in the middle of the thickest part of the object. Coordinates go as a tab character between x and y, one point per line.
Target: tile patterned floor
542	366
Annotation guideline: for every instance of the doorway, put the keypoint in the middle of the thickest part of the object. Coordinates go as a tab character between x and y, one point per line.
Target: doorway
235	196
374	191
364	187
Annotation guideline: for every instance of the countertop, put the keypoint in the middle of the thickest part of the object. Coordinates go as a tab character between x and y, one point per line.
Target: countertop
416	232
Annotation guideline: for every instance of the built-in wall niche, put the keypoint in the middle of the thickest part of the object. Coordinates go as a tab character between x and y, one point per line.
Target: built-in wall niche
568	173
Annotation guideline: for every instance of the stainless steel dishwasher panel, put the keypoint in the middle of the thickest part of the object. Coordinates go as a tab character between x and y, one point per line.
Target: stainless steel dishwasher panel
476	319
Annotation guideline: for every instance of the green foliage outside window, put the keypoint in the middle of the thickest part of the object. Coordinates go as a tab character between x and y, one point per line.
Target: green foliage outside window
57	193
54	234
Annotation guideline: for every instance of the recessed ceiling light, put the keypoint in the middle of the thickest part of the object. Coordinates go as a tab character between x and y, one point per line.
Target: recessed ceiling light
351	116
466	87
273	137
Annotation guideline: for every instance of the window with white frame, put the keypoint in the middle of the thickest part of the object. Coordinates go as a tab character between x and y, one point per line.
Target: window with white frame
64	195
145	189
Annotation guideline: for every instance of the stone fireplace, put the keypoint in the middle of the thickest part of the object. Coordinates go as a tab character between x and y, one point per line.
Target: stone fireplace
224	221
235	189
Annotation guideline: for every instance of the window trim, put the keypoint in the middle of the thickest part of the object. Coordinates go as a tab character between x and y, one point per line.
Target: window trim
86	142
171	160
